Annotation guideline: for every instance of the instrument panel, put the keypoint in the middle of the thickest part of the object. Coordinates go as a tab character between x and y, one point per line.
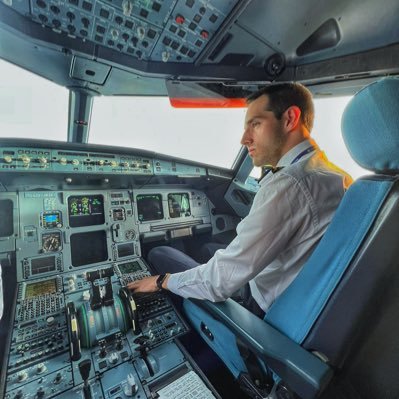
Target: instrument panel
64	230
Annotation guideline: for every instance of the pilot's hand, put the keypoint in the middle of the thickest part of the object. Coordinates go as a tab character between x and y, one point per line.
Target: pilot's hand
147	284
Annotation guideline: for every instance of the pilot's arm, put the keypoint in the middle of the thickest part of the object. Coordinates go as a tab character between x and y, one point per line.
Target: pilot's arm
280	210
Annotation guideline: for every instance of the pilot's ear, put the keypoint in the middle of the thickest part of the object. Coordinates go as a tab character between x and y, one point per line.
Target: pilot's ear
292	116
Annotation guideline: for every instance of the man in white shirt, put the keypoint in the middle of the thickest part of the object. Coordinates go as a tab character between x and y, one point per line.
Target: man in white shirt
298	195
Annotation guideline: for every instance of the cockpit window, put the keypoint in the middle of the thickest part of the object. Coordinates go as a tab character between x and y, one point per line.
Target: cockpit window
207	135
30	106
33	107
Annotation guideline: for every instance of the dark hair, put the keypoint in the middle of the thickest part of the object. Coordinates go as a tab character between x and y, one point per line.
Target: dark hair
284	95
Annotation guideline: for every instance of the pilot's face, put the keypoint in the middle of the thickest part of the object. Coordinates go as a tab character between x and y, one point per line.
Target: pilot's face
263	133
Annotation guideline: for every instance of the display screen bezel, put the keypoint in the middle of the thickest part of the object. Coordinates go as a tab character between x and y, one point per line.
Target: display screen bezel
125	249
81	219
172	200
40	266
45	287
144	202
88	248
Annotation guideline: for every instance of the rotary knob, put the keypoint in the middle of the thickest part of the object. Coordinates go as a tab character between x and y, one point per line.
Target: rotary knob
62	161
43	160
22	375
75	162
114	34
50	321
113	358
7	159
125	164
41	368
165	56
58	378
101	162
140	32
114	164
25	159
40	393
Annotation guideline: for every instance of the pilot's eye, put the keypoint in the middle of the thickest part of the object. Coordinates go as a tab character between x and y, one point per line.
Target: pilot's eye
255	124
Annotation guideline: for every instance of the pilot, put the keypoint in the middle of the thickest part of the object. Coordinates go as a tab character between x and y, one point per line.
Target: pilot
298	195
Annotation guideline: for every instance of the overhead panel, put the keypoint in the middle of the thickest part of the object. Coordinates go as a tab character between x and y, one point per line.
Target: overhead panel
150	30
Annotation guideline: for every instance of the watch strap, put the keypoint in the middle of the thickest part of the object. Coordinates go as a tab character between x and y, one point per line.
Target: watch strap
161	278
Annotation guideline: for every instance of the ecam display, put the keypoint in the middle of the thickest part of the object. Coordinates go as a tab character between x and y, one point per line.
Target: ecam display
89	247
86	210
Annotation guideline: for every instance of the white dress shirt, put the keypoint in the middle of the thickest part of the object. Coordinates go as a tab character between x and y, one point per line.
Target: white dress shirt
289	215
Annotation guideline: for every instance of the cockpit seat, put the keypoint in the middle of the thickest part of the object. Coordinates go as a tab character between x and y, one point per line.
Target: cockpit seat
334	332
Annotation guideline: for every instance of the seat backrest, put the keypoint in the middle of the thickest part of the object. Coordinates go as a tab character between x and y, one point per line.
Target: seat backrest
297	309
336	303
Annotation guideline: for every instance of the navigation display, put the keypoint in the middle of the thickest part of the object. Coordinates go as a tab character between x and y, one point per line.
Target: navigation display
149	207
86	210
179	205
40	288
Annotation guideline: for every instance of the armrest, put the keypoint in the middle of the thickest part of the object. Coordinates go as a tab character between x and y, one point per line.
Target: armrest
303	372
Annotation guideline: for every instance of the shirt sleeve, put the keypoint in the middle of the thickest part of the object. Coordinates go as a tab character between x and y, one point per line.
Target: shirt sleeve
279	211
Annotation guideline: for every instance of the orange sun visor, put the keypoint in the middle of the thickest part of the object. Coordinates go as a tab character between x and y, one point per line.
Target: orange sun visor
206	95
207	102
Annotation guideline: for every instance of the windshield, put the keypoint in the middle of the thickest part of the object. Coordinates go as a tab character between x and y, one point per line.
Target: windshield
32	107
207	135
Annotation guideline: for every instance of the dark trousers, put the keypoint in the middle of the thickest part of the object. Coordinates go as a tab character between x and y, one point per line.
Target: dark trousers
170	260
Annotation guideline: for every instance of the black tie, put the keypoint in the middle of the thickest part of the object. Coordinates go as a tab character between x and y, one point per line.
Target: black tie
269	168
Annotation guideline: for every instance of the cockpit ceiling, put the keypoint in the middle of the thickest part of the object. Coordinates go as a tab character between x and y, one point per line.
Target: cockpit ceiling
132	46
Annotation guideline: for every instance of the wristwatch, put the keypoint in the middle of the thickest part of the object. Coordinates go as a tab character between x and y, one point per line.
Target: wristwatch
161	278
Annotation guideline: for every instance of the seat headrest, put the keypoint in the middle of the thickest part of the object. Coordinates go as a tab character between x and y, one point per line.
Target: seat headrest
370	126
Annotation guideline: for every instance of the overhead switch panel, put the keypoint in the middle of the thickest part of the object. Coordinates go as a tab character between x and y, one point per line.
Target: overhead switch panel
150	30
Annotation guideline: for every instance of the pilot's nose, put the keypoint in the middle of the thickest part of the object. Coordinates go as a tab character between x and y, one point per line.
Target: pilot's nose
245	139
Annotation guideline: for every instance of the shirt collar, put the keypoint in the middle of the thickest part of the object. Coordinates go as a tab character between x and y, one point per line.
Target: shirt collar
288	157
